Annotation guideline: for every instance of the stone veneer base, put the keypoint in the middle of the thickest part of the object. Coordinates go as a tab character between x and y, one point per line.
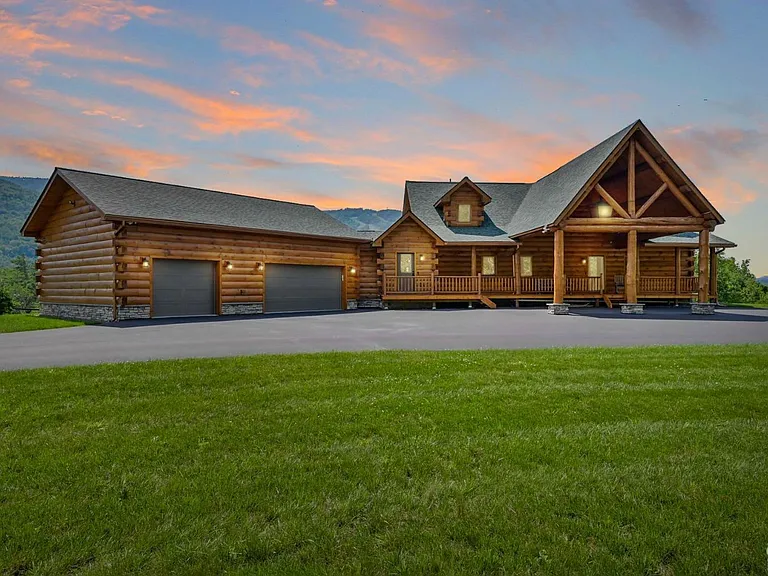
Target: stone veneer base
242	308
133	312
558	309
633	309
699	308
82	312
369	303
351	304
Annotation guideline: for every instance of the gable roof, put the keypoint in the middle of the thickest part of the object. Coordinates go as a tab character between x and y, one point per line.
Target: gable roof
121	198
461	183
406	216
521	208
691	240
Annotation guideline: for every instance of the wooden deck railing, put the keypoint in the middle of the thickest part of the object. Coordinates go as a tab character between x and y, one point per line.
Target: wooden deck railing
536	285
457	284
431	284
584	284
497	284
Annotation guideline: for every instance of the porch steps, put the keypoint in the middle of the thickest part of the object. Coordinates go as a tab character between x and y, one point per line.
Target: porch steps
607	300
488	302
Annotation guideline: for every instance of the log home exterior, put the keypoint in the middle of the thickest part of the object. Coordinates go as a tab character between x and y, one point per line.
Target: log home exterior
620	223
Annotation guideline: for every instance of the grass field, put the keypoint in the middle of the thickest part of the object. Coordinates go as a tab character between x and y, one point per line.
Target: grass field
582	461
27	322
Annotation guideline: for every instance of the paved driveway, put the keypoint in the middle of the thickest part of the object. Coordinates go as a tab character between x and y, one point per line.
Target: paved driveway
376	330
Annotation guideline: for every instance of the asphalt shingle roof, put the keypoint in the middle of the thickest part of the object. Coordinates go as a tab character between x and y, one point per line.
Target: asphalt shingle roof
128	198
692	239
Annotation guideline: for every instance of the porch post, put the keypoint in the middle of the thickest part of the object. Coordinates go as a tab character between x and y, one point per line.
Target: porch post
474	262
518	273
713	274
630	277
558	305
703	306
677	273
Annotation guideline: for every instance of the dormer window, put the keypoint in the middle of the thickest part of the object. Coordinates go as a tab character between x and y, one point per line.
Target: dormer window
465	213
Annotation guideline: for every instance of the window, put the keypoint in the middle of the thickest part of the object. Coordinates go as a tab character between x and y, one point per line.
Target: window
465	213
405	264
526	265
489	265
596	268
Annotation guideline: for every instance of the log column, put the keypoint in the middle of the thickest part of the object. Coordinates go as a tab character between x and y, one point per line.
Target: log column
559	271
704	266
518	272
713	274
630	278
473	267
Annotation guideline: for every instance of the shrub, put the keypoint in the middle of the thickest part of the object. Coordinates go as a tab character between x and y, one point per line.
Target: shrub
6	304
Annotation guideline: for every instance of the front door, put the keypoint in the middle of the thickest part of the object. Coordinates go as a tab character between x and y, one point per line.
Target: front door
596	268
405	272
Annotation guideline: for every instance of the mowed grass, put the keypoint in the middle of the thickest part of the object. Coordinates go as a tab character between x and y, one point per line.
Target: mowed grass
580	461
28	322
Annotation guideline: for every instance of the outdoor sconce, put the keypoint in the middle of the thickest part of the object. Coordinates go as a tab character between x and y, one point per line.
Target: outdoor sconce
352	270
145	262
583	260
422	258
260	267
228	265
604	210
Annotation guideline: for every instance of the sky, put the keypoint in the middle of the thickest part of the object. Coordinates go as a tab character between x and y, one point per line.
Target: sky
338	102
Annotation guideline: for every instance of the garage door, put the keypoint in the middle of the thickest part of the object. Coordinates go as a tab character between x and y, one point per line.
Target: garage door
183	288
293	288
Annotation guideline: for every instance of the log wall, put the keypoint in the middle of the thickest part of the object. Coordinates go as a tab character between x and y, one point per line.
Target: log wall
76	261
457	260
464	196
244	282
408	237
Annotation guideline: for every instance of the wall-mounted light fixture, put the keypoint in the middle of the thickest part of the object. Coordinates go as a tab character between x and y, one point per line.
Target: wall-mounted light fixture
352	270
145	262
228	265
260	266
72	203
604	210
583	260
422	258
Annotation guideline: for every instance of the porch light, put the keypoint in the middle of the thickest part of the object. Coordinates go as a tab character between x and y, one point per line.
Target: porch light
422	258
352	270
228	265
260	266
145	262
583	260
604	210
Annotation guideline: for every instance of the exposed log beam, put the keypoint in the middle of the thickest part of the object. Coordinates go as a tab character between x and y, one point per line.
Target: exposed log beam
661	220
608	198
667	180
652	199
658	228
631	179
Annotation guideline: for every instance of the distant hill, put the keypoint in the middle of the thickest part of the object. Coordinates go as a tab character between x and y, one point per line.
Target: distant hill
17	196
365	219
763	280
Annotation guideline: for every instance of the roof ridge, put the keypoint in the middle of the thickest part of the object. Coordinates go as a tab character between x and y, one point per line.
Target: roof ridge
186	186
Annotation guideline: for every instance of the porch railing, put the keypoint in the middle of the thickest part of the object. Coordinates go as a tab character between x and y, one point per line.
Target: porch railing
584	284
661	284
497	284
537	285
456	284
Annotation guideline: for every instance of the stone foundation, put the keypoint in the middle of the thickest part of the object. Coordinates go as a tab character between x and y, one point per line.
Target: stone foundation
352	304
558	309
369	303
699	308
83	312
242	308
633	308
133	312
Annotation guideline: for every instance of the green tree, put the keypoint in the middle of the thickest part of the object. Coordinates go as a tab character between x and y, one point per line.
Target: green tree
737	284
18	282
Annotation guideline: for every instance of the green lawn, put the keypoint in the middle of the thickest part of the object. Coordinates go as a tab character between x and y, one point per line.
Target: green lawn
749	305
27	322
581	461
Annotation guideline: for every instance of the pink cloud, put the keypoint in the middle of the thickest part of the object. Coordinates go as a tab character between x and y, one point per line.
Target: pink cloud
252	43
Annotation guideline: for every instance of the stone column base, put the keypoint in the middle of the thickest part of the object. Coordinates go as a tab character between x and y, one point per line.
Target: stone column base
351	304
242	308
558	309
633	308
369	303
701	308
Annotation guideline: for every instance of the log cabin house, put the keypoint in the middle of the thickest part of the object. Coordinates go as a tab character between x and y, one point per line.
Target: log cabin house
620	223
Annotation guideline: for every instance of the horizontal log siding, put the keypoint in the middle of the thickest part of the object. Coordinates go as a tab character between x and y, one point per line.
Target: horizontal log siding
579	247
244	283
76	263
408	237
457	260
367	277
464	196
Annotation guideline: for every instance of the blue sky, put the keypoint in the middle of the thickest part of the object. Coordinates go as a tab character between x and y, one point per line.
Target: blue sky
338	102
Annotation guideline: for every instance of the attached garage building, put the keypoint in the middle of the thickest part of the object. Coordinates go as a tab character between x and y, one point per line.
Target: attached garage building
112	248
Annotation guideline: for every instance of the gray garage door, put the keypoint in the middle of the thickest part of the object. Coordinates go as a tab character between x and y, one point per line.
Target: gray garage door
183	288
293	288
